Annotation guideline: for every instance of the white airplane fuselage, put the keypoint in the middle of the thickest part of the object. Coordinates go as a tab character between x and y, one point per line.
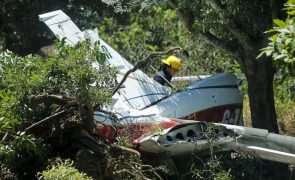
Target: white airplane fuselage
216	98
146	111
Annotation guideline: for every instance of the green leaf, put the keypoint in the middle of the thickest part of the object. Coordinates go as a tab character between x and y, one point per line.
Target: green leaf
270	31
291	2
280	23
268	53
260	54
280	56
274	38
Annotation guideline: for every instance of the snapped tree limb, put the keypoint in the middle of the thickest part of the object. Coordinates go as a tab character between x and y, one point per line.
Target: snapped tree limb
140	63
58	114
51	99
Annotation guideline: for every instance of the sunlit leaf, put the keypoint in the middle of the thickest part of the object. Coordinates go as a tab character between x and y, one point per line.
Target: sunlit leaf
279	22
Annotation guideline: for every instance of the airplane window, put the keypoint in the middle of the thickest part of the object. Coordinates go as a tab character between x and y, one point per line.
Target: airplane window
169	138
179	136
191	133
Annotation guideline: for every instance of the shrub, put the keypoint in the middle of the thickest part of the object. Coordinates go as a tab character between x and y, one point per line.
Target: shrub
62	170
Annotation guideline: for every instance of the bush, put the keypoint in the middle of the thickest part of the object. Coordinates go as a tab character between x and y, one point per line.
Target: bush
62	170
24	155
68	73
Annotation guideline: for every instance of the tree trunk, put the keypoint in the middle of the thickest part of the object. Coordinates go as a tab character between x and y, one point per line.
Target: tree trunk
261	97
259	73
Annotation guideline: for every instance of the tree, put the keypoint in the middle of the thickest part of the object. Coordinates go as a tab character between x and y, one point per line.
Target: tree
23	33
281	45
237	28
46	112
281	48
53	99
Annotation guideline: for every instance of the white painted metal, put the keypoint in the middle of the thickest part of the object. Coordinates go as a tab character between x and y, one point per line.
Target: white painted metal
213	91
189	78
141	95
256	142
60	24
141	91
137	84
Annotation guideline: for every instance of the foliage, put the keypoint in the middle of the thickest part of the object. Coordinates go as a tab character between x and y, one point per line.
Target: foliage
78	78
285	88
286	114
211	169
144	34
68	73
207	13
21	151
282	43
122	6
281	48
22	32
128	165
235	28
62	170
157	29
242	166
5	173
124	141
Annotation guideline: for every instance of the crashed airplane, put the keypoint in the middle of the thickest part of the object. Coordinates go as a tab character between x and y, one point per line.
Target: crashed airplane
153	118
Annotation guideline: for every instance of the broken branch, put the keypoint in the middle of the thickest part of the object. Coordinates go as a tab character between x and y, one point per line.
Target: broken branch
49	118
140	63
52	99
126	150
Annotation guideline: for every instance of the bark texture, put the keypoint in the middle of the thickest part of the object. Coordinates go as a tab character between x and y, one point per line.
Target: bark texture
243	38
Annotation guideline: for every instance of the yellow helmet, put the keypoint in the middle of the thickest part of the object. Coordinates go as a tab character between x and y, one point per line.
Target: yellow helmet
173	62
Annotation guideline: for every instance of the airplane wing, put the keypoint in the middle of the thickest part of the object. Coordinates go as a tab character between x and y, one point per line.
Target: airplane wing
139	90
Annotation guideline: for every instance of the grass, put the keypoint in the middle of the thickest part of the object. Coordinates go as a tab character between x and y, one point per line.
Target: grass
246	112
285	115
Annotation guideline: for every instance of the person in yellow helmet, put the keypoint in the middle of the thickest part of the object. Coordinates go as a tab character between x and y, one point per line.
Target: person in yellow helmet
169	68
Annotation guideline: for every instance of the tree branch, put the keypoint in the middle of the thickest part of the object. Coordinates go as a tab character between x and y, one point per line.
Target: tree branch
231	25
4	137
50	117
188	19
111	114
185	13
126	150
140	63
52	99
229	48
87	117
